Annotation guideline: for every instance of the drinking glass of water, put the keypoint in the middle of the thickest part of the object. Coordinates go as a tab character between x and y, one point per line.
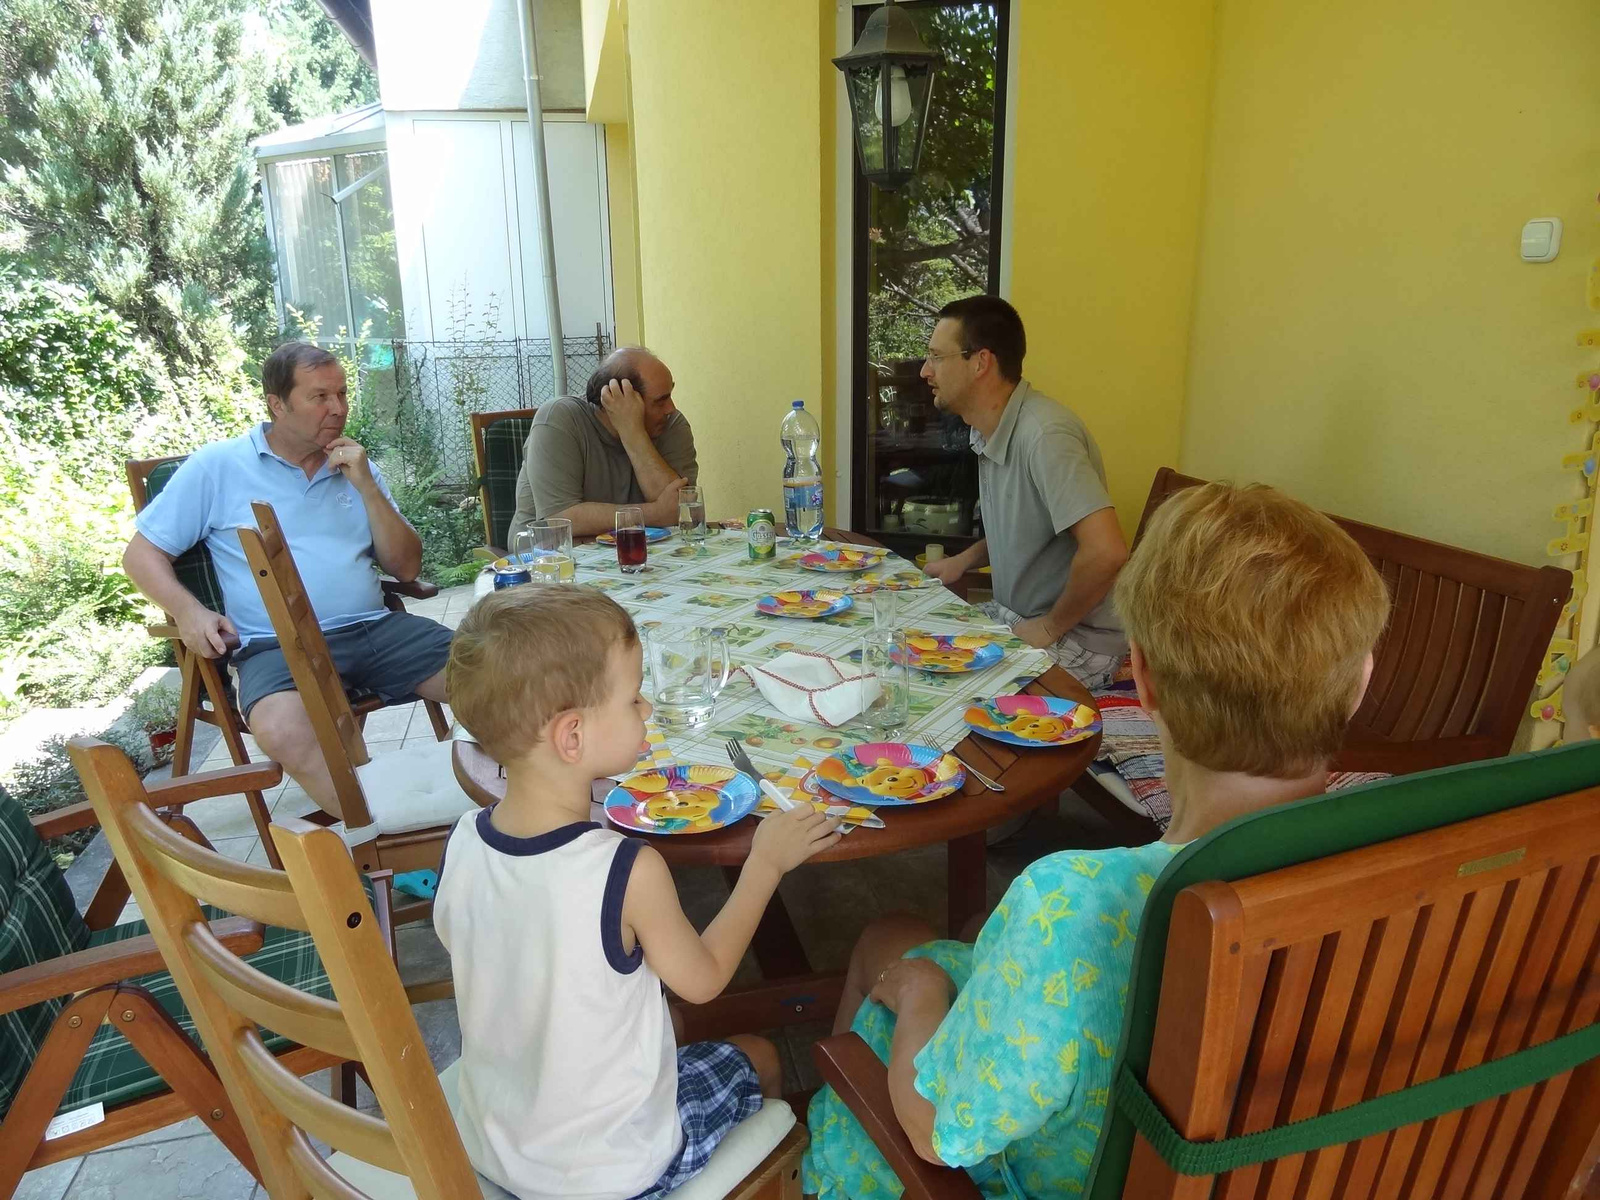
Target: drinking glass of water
631	552
885	610
885	658
688	668
692	514
552	540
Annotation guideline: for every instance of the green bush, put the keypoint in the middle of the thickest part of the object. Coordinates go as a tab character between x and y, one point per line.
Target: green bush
79	395
69	366
47	782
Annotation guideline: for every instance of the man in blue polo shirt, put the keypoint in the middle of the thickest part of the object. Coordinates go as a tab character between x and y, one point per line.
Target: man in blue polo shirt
343	529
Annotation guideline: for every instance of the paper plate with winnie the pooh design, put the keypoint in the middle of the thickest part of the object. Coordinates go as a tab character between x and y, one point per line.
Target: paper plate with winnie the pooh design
1033	720
887	773
952	653
678	800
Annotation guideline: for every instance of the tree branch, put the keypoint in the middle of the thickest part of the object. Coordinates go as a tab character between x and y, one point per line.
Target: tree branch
916	302
916	254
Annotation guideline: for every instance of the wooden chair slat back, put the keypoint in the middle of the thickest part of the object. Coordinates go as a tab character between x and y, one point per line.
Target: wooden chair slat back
300	1017
418	1135
374	1003
310	664
321	1180
259	893
1300	991
1464	639
356	1133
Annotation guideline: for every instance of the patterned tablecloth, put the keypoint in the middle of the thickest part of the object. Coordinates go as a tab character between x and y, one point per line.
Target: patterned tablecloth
717	585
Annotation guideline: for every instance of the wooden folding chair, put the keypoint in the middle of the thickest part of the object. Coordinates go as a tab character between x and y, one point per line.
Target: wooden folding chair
89	1014
498	443
1357	954
398	808
412	1149
205	693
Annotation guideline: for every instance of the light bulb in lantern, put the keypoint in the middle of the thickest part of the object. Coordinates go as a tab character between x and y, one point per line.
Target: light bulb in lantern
899	97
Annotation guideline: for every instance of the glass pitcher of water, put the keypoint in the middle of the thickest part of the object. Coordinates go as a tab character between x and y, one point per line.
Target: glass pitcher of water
688	668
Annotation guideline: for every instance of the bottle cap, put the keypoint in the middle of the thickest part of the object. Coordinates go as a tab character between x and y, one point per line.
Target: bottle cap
797	404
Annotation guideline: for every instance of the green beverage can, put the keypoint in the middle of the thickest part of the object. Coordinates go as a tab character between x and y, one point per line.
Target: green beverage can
761	534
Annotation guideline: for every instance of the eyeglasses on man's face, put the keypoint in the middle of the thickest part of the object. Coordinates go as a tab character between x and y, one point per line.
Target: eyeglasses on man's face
935	357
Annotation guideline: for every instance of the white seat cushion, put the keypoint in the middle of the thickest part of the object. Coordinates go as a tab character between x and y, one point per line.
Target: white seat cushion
735	1157
407	789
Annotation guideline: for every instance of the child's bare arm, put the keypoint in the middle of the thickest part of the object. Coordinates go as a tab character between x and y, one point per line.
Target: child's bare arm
698	966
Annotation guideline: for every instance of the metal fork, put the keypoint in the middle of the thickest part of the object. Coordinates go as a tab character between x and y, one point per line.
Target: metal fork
978	775
741	760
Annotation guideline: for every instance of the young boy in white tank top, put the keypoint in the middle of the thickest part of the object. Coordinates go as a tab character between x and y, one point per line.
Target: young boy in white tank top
561	932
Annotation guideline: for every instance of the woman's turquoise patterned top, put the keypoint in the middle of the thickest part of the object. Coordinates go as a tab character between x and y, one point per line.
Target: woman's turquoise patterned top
1019	1072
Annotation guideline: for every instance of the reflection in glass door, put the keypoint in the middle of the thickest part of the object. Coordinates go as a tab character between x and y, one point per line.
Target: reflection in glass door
938	238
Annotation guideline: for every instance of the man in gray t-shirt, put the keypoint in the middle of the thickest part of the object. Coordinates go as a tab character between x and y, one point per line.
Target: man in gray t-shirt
624	442
1054	545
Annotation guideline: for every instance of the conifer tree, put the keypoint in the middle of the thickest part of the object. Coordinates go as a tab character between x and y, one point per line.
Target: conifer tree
124	166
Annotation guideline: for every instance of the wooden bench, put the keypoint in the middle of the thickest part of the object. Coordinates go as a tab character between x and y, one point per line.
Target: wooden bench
1455	668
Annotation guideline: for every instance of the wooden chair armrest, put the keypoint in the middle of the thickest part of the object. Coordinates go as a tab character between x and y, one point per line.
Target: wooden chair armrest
163	631
111	963
849	1066
64	820
186	789
414	589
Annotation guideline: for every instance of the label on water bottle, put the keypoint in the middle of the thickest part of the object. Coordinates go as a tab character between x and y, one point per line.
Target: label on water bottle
802	506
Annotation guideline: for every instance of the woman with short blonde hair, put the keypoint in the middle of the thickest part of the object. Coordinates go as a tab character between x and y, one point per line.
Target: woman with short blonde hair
1251	619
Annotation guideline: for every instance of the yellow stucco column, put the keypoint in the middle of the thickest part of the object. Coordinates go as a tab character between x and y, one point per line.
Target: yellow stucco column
726	148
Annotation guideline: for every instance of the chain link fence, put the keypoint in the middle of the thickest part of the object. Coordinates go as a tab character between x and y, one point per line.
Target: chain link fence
423	392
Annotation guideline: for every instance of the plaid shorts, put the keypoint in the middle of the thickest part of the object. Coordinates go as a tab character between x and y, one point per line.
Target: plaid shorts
717	1088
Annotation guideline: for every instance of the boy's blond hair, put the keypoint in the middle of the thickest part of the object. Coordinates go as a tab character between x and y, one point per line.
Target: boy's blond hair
1255	614
524	654
1580	698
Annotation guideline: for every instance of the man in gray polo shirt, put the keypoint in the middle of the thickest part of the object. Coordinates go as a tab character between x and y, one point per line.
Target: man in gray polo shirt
1054	545
342	527
625	442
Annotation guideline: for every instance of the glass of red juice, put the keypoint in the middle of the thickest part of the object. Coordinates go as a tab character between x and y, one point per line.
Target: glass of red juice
629	530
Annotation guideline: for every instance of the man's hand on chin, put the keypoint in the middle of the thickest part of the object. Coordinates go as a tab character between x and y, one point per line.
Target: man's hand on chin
349	457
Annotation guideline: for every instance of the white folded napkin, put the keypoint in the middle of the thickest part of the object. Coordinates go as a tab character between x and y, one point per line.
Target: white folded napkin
814	688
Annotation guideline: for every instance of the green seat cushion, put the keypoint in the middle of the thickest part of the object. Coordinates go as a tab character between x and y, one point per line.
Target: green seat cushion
38	922
193	567
503	442
1290	834
113	1071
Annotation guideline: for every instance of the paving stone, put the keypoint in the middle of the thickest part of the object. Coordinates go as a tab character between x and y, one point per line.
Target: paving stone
48	1183
195	1168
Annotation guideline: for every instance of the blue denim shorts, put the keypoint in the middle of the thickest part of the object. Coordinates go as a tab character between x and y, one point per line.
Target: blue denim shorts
389	656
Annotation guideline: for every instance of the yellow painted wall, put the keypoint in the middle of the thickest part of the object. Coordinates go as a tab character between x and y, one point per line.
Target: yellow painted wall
621	214
727	152
1365	333
1106	183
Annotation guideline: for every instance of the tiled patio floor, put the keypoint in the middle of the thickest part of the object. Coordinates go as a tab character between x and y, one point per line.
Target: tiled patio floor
829	905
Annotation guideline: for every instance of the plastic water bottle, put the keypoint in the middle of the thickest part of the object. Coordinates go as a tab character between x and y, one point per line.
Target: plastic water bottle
802	473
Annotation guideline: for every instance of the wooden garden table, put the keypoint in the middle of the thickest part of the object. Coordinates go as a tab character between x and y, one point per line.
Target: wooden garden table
794	993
